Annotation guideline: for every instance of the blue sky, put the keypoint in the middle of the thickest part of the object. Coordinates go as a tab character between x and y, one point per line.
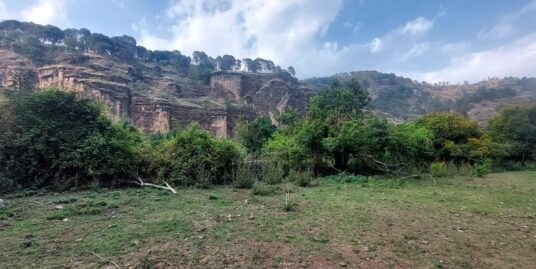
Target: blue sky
431	40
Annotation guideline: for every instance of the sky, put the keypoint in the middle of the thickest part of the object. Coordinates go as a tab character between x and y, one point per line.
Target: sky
426	40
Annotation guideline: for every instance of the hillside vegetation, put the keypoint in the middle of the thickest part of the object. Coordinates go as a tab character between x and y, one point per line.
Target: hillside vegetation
402	99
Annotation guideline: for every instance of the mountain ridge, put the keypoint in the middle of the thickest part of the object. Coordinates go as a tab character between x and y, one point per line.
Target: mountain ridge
158	91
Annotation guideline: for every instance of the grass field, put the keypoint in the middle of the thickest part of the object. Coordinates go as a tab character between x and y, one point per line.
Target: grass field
455	222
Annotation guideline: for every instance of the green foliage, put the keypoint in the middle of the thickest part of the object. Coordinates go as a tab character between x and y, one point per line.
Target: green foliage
452	132
194	156
253	135
516	127
400	102
61	142
43	44
339	102
302	178
263	189
288	118
468	100
410	144
439	169
285	152
245	177
482	168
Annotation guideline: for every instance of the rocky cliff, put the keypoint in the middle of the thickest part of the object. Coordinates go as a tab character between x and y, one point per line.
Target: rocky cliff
163	102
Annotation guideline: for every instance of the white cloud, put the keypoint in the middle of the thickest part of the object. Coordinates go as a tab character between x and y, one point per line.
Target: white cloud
40	11
415	51
417	26
46	12
511	24
284	31
507	48
4	12
375	45
517	58
456	47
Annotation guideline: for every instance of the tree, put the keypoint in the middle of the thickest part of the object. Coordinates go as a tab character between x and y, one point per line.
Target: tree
339	102
291	70
52	34
516	127
21	80
451	132
263	66
254	135
227	62
124	47
71	39
61	142
248	65
179	61
100	43
288	118
201	59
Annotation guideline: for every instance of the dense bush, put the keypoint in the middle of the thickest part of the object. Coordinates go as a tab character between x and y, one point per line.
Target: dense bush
439	169
516	127
192	156
451	132
245	177
482	168
55	140
58	141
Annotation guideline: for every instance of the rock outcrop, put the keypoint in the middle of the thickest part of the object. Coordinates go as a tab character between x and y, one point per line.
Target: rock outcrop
161	103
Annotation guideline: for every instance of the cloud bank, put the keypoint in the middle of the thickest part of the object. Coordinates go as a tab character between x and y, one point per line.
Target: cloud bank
39	11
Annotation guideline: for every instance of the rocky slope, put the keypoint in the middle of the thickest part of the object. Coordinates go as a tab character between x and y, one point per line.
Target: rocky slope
401	99
165	101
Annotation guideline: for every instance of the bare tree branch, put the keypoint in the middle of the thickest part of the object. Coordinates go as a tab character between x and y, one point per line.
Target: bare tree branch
167	187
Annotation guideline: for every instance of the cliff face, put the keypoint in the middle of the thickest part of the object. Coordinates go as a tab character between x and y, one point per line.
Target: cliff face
161	103
264	93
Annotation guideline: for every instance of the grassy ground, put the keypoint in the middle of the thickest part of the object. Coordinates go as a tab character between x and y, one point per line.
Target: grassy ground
450	223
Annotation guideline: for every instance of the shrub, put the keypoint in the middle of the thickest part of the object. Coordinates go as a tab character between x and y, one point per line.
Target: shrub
482	168
61	142
301	178
244	177
271	174
193	157
263	189
6	185
439	169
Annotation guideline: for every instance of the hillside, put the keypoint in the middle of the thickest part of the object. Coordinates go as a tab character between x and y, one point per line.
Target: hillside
155	90
402	99
161	90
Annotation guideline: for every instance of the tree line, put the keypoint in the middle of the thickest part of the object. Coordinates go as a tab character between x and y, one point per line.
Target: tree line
34	41
55	140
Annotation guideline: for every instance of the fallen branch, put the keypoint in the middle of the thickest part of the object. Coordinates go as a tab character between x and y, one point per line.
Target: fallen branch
385	167
105	260
167	187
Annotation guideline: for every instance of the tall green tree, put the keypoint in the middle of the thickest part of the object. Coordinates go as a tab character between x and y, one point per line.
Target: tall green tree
516	127
253	135
452	132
